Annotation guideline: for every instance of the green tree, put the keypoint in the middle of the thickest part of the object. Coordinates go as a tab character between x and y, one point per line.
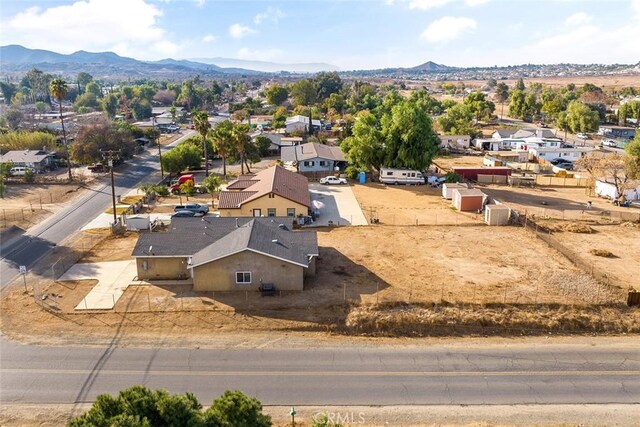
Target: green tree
41	107
502	95
94	88
109	105
263	143
22	140
141	108
458	120
212	184
14	118
335	101
59	90
234	409
480	107
276	94
8	91
183	156
187	189
5	169
632	151
87	100
520	85
202	125
629	110
93	140
303	92
83	80
223	142
240	137
581	118
327	83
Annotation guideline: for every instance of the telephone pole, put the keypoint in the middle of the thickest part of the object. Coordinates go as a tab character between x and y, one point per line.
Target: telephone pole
157	141
110	156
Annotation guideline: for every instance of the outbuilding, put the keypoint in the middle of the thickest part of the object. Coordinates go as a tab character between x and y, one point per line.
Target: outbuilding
471	173
466	200
497	214
448	187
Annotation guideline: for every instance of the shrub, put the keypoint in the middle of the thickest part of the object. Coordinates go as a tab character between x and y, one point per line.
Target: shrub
351	172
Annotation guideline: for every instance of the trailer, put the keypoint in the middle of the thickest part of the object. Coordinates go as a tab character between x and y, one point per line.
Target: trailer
401	176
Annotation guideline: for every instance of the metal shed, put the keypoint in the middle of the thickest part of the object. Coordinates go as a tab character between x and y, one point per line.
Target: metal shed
497	214
468	199
448	187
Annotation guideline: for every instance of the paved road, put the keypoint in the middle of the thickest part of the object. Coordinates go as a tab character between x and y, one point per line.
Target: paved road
569	374
28	248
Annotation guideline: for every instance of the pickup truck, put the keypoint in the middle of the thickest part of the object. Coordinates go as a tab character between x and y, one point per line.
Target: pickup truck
97	167
197	208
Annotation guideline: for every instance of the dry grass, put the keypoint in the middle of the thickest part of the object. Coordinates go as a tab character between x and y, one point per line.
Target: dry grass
601	252
571	227
419	320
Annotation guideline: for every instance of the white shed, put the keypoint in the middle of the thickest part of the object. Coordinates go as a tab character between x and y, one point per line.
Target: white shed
448	187
497	214
138	222
608	190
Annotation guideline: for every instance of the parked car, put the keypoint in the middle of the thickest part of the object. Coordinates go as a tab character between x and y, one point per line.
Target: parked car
97	167
332	180
174	185
196	208
582	136
20	171
609	143
183	214
436	181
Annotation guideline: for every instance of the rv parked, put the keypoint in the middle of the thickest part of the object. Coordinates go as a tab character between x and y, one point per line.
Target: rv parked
401	176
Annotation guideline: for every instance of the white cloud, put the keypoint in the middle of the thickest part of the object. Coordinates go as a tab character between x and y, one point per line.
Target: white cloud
448	28
578	19
272	14
427	4
209	38
200	3
472	3
238	31
92	25
259	54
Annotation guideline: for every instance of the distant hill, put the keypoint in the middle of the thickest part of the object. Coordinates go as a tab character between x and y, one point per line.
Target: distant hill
20	58
430	66
268	67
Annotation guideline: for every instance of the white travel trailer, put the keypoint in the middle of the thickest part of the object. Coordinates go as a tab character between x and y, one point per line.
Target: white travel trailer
401	176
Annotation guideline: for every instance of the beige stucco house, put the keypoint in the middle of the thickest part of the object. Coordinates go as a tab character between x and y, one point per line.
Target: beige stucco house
272	192
229	254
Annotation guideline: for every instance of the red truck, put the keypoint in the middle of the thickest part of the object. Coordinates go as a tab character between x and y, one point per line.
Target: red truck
175	184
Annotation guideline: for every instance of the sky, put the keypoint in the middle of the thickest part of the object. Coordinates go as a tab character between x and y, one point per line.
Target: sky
350	34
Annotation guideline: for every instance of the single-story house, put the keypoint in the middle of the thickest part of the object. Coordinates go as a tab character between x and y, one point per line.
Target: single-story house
534	133
454	141
271	192
300	123
229	254
470	199
548	154
611	131
278	140
314	157
38	160
487	144
502	133
607	189
501	158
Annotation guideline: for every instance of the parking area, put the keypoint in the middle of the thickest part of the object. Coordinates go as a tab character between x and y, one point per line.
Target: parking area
337	204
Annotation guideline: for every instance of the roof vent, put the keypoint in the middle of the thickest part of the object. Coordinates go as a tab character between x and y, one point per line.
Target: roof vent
274	241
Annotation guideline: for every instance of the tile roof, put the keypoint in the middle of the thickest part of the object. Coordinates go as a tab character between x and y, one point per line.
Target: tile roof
258	236
275	179
312	150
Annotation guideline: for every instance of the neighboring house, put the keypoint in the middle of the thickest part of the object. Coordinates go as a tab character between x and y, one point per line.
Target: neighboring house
502	133
314	157
272	192
229	254
536	133
300	124
454	141
617	131
38	160
278	140
548	154
607	189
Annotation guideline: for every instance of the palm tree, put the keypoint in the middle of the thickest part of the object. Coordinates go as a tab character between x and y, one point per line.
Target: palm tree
202	125
222	140
212	185
59	90
240	136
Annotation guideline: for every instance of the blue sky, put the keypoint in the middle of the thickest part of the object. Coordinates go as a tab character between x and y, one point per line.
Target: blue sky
356	34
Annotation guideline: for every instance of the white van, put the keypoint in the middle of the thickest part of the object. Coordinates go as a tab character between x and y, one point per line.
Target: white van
18	171
401	176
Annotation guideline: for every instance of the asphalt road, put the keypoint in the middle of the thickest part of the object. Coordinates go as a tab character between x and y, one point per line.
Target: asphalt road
569	374
28	248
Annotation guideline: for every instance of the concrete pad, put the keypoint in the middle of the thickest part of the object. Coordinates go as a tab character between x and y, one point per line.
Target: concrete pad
340	205
113	279
104	220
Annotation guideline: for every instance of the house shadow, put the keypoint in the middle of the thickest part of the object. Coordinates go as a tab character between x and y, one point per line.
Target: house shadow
417	190
325	300
541	201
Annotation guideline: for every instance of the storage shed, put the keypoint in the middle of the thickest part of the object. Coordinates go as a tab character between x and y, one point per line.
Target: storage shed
468	199
471	173
497	214
448	187
138	222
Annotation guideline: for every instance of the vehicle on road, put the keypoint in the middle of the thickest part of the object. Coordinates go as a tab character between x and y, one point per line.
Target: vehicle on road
331	180
183	214
582	136
175	184
20	171
97	167
197	208
609	143
401	176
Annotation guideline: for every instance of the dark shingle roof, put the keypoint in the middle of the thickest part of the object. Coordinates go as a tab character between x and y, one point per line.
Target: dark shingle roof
260	237
311	150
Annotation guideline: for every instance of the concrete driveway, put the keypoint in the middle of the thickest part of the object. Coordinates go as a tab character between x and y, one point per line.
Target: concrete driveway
339	205
113	279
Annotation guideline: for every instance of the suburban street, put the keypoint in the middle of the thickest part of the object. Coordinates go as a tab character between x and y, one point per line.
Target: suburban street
435	374
28	248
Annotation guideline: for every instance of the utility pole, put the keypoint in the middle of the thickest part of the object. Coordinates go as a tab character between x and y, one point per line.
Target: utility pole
110	155
157	141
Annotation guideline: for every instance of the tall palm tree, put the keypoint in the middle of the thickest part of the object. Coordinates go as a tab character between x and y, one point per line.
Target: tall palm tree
202	125
240	136
222	140
59	90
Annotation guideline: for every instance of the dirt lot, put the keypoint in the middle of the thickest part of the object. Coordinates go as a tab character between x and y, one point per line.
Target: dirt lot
409	205
25	205
609	82
447	162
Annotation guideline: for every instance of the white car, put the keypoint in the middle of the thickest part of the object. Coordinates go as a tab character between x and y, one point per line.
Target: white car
332	180
582	136
609	143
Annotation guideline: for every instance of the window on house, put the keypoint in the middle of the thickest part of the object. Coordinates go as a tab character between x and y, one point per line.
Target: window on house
243	277
291	211
271	211
323	163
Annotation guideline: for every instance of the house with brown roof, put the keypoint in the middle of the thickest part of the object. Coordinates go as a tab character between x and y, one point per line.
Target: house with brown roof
272	192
